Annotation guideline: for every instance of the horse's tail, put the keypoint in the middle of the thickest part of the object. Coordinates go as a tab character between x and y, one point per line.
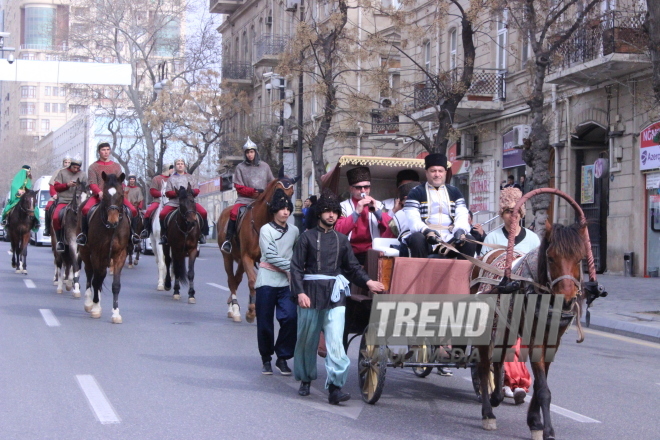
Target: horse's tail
179	269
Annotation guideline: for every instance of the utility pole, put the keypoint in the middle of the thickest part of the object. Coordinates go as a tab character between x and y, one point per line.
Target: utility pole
297	214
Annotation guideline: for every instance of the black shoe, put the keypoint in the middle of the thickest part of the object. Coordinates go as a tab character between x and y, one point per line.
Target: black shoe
59	247
283	368
336	395
163	240
267	369
226	247
202	239
81	239
304	388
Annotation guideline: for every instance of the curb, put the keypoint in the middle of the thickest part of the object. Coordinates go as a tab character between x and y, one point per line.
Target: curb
623	328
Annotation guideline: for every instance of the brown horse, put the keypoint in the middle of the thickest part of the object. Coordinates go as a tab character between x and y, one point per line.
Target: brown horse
559	267
135	248
182	236
245	246
21	220
107	240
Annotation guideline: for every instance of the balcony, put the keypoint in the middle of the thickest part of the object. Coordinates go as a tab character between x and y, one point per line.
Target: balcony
486	94
383	122
238	73
609	46
268	48
225	6
45	47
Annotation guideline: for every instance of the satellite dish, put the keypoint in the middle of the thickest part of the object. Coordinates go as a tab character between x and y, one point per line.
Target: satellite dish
287	110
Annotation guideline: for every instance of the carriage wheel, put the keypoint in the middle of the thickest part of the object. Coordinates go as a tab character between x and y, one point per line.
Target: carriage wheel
372	364
423	354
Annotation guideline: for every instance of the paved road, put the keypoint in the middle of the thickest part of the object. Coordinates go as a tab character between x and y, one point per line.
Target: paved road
174	370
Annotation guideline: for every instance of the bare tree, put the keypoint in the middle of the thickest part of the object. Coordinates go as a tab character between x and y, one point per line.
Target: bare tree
652	27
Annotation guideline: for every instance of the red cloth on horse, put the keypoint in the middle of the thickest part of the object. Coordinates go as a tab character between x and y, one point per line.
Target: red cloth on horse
516	374
233	215
56	216
49	204
150	210
95	201
167	209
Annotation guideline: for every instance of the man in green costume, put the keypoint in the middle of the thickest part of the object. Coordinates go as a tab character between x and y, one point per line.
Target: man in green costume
22	182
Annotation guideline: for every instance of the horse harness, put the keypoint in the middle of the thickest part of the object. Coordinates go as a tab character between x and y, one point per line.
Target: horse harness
183	214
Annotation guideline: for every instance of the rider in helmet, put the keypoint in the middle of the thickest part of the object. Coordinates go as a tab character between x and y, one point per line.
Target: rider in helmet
155	192
250	179
65	182
94	177
53	195
176	180
21	183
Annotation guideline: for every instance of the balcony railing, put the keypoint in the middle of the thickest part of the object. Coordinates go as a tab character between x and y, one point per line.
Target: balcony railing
383	123
612	32
45	47
486	85
237	70
270	45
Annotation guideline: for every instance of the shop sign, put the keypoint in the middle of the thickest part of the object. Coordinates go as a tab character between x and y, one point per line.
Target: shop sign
587	187
601	166
511	157
649	151
653	181
479	189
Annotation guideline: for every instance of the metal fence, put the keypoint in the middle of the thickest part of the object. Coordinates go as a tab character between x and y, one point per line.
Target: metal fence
270	45
381	122
237	70
485	82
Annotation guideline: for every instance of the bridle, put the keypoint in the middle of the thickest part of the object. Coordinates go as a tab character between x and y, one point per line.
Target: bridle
553	281
108	210
30	209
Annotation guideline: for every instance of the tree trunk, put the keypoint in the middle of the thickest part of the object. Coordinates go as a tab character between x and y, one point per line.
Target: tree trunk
652	27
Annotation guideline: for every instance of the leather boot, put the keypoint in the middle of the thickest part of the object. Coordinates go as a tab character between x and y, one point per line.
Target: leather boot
134	237
231	230
47	221
337	395
304	388
163	234
59	247
204	231
81	239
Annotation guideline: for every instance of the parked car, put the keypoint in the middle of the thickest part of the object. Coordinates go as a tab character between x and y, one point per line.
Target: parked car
41	186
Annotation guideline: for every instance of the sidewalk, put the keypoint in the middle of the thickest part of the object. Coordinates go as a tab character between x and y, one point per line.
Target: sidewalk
631	308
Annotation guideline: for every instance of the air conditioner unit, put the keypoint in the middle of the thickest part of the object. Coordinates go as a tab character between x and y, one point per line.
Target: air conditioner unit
292	5
465	148
520	133
269	21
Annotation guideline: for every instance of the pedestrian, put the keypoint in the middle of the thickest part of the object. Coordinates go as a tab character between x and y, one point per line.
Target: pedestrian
322	260
276	240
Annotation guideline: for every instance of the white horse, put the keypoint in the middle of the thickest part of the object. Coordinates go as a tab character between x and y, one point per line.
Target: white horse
155	238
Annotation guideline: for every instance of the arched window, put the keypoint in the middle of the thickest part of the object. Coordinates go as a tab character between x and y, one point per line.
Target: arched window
427	56
502	32
453	43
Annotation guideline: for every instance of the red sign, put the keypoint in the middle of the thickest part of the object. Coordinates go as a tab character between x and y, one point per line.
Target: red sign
647	135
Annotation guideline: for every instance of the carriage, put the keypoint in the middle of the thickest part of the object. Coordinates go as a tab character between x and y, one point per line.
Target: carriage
399	276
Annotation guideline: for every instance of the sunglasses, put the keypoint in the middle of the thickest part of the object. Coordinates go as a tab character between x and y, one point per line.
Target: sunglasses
361	186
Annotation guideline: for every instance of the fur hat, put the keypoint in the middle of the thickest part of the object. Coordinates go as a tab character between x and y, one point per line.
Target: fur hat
280	201
327	202
436	160
406	175
359	174
508	199
405	189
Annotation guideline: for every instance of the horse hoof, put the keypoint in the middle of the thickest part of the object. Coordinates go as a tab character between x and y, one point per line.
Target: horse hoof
249	318
76	294
489	424
537	435
18	271
130	266
68	288
96	314
59	290
116	317
24	271
160	288
192	300
176	297
55	282
236	318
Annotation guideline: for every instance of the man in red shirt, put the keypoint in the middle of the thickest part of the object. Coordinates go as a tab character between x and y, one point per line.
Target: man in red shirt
363	218
53	195
95	181
155	190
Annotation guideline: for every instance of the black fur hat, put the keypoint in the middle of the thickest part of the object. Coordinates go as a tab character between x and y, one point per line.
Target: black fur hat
280	201
406	175
327	202
359	174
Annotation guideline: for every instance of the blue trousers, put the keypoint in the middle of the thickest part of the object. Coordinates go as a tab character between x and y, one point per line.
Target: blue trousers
275	301
310	324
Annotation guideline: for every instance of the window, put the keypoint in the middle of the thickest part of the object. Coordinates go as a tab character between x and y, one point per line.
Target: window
526	51
427	56
47	91
28	56
168	37
502	40
46	107
28	92
39	27
27	108
45	125
75	109
452	49
62	108
27	124
62	91
56	91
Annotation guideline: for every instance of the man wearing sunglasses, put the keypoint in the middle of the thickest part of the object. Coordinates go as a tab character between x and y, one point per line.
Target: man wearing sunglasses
363	218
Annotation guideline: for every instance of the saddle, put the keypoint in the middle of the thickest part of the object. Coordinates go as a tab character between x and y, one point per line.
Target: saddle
241	215
169	217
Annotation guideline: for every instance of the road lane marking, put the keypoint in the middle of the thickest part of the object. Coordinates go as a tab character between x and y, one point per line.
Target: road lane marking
219	286
49	317
30	284
97	399
622	338
559	410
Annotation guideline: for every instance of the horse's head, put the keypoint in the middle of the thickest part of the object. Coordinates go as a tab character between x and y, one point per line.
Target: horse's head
113	198
28	202
187	204
560	256
80	194
282	181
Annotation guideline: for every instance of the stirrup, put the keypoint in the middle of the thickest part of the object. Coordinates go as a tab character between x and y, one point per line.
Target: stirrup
136	239
226	247
163	240
59	247
81	239
144	234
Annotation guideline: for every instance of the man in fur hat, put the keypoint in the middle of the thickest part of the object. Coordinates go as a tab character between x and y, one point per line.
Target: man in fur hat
363	217
403	177
276	240
156	190
65	183
250	179
321	260
437	211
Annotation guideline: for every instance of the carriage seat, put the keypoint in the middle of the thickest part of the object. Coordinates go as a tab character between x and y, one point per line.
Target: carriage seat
384	245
